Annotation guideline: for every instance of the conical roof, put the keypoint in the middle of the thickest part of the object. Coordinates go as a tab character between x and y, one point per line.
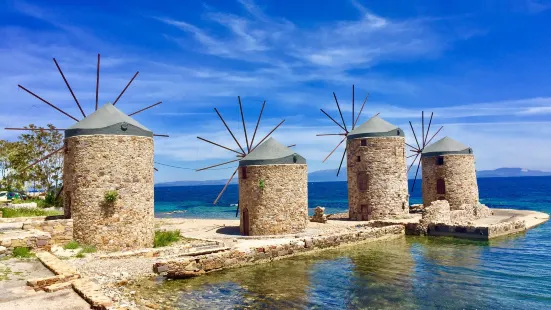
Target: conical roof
108	120
375	127
446	146
271	152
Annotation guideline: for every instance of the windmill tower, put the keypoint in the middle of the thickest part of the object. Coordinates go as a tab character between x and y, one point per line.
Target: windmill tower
449	173
273	181
108	176
376	167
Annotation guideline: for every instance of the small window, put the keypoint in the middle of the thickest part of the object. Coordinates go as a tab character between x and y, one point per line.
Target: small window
364	142
243	172
439	161
440	187
295	158
398	132
362	181
358	158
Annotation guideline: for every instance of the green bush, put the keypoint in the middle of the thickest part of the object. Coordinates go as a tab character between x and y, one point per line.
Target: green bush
261	184
80	255
28	212
71	245
166	237
111	196
88	249
21	252
16	201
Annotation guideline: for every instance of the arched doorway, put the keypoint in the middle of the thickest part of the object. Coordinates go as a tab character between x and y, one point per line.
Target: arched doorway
245	222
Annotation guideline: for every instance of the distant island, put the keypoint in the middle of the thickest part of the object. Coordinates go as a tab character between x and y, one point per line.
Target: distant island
330	175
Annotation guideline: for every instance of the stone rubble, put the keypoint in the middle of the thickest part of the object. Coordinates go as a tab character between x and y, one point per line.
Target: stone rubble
319	215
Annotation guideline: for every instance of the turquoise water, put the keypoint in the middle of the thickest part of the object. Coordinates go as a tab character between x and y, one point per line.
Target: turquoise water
409	273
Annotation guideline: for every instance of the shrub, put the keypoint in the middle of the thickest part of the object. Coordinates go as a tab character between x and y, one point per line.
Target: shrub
166	237
71	245
88	249
27	212
16	201
21	252
111	196
261	184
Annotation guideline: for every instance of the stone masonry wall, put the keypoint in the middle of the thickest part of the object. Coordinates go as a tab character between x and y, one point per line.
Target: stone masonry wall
99	163
282	206
383	161
61	231
459	175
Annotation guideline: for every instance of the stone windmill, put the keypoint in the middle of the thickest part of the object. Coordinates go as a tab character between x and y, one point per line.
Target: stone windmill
108	175
273	195
376	166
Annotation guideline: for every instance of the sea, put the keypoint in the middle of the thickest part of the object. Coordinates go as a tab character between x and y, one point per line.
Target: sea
512	272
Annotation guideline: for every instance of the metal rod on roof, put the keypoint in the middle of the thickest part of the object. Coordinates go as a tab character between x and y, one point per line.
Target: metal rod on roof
227	148
414	135
44	158
135	75
228	128
258	122
353	123
423	127
69	86
231	161
149	107
336	147
97	84
330	134
415	179
428	129
361	109
35	129
158	135
268	135
413	162
435	134
342	159
225	186
334	120
338	107
46	102
244	127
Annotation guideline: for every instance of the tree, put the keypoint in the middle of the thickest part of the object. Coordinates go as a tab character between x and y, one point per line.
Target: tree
14	157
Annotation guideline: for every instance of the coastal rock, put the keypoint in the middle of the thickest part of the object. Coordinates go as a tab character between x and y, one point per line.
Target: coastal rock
437	212
319	215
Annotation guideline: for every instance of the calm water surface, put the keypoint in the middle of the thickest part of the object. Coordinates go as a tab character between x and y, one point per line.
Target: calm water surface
408	273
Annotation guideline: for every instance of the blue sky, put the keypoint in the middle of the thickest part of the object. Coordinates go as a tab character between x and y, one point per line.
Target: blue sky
482	67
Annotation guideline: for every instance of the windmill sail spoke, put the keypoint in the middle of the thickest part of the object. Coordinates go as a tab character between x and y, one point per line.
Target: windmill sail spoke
411	146
428	128
423	128
414	135
135	75
217	165
227	148
361	109
330	134
159	135
155	169
336	147
333	120
59	193
97	84
276	127
148	107
342	159
244	127
291	145
258	122
435	134
340	112
46	102
413	162
353	122
225	186
415	179
228	128
35	129
412	155
69	86
44	158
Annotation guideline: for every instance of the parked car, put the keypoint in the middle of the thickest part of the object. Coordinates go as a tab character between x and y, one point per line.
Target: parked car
4	196
13	195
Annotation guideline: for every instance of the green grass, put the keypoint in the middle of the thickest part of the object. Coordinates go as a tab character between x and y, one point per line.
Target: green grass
88	249
27	212
21	252
71	245
164	238
80	255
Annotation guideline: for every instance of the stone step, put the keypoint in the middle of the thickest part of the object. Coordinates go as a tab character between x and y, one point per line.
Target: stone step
24	238
91	292
58	287
42	283
10	226
56	265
